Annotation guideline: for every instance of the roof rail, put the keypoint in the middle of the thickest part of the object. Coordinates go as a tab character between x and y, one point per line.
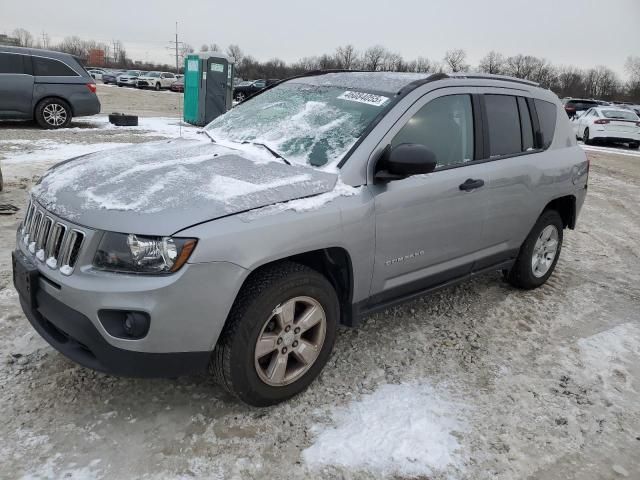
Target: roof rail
491	76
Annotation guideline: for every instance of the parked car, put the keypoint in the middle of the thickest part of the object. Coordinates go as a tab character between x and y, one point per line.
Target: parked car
156	80
177	86
608	124
576	105
110	77
50	87
244	90
390	185
129	78
95	73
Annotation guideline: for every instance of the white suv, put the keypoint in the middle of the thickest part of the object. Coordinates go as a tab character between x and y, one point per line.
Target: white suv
156	80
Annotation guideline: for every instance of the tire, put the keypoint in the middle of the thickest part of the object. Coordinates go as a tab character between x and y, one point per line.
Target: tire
522	274
158	87
52	113
634	146
235	362
240	97
585	137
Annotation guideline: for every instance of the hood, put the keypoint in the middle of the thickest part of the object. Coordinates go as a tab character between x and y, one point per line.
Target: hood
162	187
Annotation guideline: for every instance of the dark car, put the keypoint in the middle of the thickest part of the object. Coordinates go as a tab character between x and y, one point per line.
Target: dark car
245	89
575	105
177	86
47	86
110	77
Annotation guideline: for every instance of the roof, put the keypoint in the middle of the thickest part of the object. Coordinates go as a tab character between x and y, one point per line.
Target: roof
391	82
35	51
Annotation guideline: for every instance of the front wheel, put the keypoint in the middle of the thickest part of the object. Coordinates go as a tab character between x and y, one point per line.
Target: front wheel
158	86
279	334
240	97
539	253
634	146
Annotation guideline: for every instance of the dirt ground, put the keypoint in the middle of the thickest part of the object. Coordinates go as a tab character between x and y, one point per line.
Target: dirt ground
549	380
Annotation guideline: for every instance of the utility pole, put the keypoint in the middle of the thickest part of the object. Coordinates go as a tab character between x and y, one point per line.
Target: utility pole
177	66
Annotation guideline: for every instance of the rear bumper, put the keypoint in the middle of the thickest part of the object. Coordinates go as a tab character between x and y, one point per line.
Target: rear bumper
85	105
616	136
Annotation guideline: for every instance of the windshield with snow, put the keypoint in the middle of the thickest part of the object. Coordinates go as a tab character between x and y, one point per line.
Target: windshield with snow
307	124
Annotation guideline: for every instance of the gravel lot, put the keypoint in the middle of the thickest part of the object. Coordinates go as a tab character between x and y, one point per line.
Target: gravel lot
545	384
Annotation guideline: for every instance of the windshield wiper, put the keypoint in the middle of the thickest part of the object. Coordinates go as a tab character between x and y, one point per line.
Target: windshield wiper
208	135
271	150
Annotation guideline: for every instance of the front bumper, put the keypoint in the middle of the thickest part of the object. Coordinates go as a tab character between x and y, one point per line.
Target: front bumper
187	312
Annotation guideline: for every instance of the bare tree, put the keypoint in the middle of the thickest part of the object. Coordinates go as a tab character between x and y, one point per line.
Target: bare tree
632	67
346	57
492	62
373	58
235	52
455	60
24	37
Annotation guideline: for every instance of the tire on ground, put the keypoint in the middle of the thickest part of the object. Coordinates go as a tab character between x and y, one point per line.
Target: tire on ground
232	362
521	274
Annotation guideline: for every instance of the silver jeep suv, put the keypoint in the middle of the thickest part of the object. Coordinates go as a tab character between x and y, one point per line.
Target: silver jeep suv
312	204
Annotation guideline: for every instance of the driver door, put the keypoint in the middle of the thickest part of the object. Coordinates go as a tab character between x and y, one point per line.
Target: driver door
429	228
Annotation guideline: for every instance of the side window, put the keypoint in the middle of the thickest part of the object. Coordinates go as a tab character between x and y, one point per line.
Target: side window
547	118
47	67
444	126
504	125
10	63
169	75
526	125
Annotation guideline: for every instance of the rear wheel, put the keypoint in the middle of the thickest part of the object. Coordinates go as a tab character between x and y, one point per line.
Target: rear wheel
158	86
53	113
634	145
585	137
240	97
539	253
279	334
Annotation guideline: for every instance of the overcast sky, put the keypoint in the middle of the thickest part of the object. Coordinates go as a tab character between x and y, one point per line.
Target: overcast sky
584	33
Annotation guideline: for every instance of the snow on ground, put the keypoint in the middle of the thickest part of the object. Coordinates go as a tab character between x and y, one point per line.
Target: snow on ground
406	429
614	150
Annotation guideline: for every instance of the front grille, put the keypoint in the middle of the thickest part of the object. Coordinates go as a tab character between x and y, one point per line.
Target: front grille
51	241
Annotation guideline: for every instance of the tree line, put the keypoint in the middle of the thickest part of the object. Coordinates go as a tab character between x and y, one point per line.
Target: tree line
565	80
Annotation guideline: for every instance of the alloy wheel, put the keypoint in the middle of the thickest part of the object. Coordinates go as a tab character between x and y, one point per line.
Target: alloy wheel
54	114
290	341
544	251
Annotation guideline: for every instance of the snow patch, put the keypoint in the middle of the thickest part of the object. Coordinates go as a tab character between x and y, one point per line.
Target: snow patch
406	429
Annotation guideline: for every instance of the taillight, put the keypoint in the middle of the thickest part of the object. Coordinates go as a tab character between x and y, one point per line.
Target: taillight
601	122
92	87
569	109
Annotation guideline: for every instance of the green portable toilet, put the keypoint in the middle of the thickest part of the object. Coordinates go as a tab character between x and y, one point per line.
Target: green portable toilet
208	86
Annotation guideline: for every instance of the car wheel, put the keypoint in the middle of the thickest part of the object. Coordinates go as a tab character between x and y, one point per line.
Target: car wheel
634	145
278	336
53	113
120	85
585	137
157	86
539	253
240	97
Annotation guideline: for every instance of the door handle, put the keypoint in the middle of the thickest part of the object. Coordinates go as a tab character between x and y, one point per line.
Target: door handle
471	184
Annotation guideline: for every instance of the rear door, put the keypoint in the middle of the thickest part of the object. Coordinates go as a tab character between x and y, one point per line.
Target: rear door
16	86
518	130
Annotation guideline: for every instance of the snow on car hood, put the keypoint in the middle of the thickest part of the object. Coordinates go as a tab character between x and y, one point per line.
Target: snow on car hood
162	187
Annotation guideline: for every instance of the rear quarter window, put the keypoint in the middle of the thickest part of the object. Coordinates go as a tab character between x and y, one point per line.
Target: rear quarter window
48	67
547	118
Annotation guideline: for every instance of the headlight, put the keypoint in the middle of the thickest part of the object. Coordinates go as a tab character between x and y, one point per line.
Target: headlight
131	253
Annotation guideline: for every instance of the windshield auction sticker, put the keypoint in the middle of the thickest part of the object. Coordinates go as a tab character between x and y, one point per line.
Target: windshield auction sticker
362	97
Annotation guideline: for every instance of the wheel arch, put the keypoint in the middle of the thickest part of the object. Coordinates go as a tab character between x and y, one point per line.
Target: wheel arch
55	97
566	207
334	263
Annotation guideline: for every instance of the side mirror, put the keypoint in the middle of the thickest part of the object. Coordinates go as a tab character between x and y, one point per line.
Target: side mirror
405	160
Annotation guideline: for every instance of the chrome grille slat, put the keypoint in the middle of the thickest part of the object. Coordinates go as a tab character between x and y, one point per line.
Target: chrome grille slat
51	241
